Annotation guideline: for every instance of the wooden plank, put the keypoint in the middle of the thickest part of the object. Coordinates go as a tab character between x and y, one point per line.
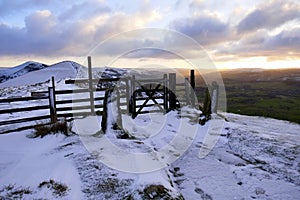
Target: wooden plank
149	105
180	84
69	108
24	120
74	91
123	103
32	108
9	100
100	80
72	101
149	80
145	98
148	111
79	114
39	94
150	90
180	90
71	91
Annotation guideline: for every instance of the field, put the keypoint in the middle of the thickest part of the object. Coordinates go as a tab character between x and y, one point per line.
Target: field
268	93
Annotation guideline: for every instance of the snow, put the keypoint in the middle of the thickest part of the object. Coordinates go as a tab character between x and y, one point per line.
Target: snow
29	162
59	71
241	158
230	170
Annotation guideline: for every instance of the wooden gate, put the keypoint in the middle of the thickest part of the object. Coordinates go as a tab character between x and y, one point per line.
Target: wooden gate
153	95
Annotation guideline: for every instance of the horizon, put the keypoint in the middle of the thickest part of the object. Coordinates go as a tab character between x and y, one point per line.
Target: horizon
234	35
155	68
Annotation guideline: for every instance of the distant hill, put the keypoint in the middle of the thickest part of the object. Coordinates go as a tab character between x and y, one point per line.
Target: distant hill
261	75
34	72
11	73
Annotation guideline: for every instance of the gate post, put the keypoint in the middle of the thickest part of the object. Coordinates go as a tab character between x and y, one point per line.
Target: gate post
172	90
127	94
52	105
214	96
165	92
187	91
92	103
132	98
105	110
192	93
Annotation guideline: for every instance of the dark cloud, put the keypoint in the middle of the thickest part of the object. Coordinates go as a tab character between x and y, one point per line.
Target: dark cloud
269	16
205	29
286	41
283	44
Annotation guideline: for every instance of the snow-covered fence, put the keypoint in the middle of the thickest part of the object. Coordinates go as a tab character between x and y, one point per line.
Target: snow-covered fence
52	104
22	109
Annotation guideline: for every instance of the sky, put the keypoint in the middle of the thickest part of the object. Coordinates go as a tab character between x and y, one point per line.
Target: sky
232	34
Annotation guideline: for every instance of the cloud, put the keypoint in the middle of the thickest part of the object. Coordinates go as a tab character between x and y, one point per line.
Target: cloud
9	6
283	45
269	16
84	10
48	33
206	29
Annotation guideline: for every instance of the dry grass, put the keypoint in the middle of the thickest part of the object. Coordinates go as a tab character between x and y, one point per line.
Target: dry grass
60	126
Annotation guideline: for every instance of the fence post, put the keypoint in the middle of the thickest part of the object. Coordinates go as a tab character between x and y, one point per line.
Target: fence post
187	90
127	94
165	91
192	82
131	94
132	84
52	106
105	110
214	96
172	90
133	105
90	73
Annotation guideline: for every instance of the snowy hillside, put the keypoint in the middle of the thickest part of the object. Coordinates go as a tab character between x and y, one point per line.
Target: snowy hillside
20	70
254	158
60	71
241	158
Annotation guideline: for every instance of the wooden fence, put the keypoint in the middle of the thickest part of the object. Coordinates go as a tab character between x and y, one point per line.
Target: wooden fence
135	97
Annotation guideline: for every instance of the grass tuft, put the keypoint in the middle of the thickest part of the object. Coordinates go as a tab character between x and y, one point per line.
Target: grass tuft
42	130
58	189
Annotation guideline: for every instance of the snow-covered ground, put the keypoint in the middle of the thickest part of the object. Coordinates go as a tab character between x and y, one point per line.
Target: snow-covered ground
170	157
254	158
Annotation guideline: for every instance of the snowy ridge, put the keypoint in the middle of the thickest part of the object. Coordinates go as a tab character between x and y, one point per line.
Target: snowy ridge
20	70
60	71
